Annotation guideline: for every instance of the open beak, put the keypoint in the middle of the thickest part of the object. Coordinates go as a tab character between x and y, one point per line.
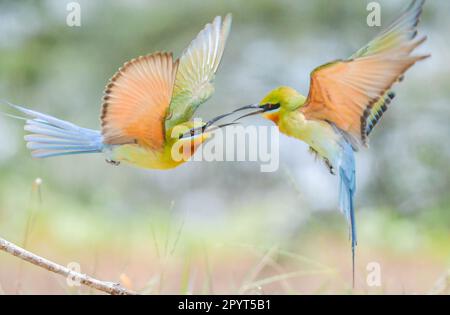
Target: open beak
215	119
208	126
259	109
252	106
205	128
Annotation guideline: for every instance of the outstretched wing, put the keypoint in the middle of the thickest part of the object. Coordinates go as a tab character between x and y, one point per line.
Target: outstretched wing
136	101
353	93
198	65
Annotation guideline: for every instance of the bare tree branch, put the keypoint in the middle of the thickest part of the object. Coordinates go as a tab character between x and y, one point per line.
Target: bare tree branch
108	287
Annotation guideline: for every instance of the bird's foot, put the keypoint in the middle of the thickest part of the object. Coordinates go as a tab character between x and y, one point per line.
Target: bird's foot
330	167
112	162
327	162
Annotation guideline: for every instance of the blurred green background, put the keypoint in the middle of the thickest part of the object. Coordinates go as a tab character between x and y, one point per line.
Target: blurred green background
222	227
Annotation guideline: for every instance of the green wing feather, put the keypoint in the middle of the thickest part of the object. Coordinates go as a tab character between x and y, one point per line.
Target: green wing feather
401	31
196	71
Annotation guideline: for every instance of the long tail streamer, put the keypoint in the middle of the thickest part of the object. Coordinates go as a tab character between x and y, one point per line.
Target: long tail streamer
347	187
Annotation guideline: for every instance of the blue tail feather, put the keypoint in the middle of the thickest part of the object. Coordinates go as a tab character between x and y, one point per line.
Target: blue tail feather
52	132
47	154
51	136
347	188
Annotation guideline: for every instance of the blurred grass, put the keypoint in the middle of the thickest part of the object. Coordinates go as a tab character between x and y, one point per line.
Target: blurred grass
164	254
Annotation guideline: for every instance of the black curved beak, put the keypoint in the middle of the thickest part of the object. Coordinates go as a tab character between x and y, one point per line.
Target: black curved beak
209	125
217	118
251	106
205	128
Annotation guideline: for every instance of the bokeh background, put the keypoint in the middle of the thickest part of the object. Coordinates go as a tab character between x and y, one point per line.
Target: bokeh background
222	227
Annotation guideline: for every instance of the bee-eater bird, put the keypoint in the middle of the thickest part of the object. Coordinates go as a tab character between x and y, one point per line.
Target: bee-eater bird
147	108
346	100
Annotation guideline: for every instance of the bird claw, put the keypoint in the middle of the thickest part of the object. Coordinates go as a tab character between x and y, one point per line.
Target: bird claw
312	151
327	162
112	162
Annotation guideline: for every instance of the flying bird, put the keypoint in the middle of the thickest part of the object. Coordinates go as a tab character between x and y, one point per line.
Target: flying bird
346	100
147	108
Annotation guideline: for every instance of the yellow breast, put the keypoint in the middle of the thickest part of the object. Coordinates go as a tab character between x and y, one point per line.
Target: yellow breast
316	133
170	155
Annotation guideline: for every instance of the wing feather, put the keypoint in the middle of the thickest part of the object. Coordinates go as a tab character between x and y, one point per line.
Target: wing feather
198	65
136	101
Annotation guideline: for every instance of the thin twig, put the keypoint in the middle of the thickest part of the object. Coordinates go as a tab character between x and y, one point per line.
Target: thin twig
108	287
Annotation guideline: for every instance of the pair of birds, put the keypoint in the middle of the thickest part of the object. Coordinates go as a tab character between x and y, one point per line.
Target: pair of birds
149	103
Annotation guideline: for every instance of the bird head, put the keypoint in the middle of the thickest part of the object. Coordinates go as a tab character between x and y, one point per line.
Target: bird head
277	101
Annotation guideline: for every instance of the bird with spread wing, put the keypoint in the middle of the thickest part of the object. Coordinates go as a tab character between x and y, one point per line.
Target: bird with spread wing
147	108
346	100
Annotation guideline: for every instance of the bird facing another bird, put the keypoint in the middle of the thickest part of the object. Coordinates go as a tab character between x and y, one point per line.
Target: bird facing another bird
149	103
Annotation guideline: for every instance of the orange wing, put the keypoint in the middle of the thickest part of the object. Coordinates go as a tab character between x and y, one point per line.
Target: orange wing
344	92
136	101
